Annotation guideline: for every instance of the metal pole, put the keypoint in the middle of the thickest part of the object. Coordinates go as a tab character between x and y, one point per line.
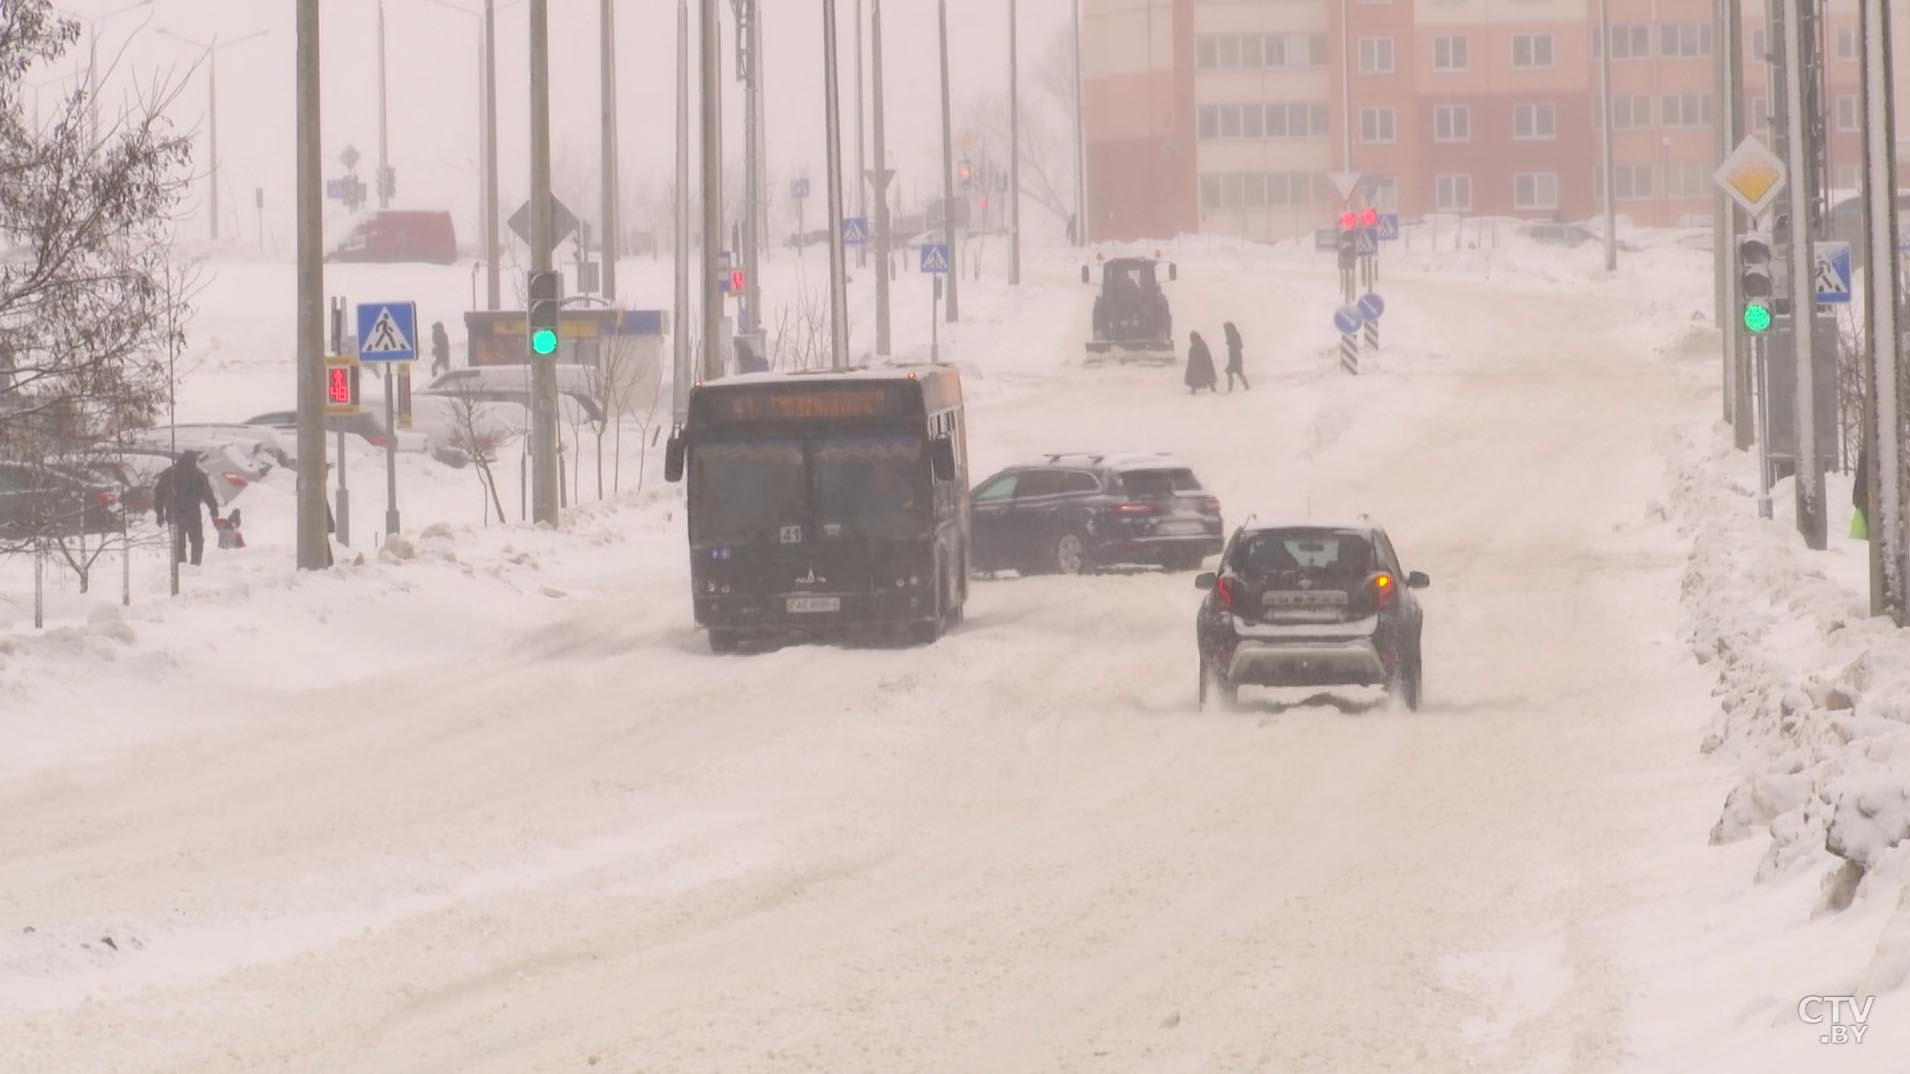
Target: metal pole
1080	143
862	164
948	181
1887	493
1810	465
544	477
391	454
1744	425
212	134
749	32
313	548
341	521
493	288
608	149
1346	91
1605	139
838	262
712	104
384	144
880	179
680	324
1014	148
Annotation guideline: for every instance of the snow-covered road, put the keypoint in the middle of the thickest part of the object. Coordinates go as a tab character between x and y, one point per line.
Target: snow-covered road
1019	850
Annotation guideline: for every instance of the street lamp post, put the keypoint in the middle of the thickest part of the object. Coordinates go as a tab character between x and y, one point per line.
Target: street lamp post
487	136
212	50
92	54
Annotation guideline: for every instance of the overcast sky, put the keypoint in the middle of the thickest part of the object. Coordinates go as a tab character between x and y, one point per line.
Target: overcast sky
432	56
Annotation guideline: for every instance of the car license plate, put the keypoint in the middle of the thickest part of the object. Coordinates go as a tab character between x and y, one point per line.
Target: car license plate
804	605
1183	527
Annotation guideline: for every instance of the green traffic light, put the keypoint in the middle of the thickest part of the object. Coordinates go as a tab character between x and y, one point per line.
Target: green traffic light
1757	317
544	341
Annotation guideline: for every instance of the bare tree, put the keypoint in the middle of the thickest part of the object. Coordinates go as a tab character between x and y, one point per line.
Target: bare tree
1047	128
800	337
479	431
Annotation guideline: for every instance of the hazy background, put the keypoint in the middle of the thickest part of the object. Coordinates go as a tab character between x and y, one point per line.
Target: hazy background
432	56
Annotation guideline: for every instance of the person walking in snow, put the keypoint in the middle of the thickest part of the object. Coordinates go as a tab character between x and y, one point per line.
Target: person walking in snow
1200	366
1235	367
440	350
177	495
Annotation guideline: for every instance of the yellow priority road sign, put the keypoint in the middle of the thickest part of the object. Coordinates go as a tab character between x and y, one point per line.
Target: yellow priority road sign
1752	175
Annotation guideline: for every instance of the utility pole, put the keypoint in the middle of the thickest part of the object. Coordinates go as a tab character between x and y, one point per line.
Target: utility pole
838	262
1737	396
384	143
1605	136
1883	427
748	40
1080	143
544	479
948	179
314	550
492	251
712	103
608	148
680	322
1014	148
880	178
862	165
1811	520
1745	426
1346	91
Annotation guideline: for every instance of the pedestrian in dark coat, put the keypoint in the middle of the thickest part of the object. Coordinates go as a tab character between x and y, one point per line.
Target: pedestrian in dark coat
177	495
1200	366
440	349
1235	368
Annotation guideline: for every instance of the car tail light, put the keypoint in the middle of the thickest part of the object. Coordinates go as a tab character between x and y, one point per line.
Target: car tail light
376	440
235	480
104	499
1384	587
1225	593
1210	505
1133	509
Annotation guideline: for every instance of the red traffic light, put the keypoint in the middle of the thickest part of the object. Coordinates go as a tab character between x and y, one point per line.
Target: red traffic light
1348	221
1370	217
737	280
338	386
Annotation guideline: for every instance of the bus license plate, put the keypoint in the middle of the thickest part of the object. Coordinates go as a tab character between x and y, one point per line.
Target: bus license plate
799	605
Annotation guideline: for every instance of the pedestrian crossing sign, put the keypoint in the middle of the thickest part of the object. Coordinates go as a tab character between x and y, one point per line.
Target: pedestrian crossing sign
855	231
1368	241
1831	274
388	332
935	257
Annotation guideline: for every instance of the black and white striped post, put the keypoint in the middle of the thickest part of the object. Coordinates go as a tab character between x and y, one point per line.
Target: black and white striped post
1370	307
1347	319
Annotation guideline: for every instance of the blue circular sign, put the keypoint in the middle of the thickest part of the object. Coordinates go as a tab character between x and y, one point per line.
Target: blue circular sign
1371	306
1348	319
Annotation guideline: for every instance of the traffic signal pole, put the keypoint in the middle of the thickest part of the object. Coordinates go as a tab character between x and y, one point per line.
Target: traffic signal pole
712	103
838	261
1883	428
608	149
1811	520
681	374
948	181
879	178
1014	148
544	478
314	551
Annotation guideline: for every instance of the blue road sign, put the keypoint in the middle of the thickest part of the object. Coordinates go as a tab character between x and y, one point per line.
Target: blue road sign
1389	227
338	189
388	332
1347	319
1368	241
1832	272
1372	306
799	189
935	257
855	231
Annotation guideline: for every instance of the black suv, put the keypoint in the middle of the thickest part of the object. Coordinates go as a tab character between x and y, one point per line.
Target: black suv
1310	605
1073	513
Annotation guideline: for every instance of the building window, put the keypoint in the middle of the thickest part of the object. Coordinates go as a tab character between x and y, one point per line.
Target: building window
1210	192
1632	181
1849	116
1629	112
1253	122
1252	47
1254	189
1384	193
1376	125
1376	55
1847	43
1452	123
1296	50
1760	113
1231	189
1452	193
1688	179
1534	122
1686	110
1230	121
1229	50
1849	177
1628	43
1531	50
1206	52
1209	128
1684	39
1535	190
1449	52
1296	119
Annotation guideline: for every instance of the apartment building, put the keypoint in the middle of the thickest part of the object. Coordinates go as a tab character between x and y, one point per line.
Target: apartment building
1227	116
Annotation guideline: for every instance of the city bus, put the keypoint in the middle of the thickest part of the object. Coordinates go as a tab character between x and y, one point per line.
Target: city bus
826	505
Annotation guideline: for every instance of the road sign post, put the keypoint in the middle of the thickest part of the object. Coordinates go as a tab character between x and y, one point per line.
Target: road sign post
935	263
1348	320
1371	306
388	333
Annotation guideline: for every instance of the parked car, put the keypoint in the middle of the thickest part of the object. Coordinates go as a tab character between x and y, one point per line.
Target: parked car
368	425
391	235
136	469
47	501
259	447
1310	605
1073	513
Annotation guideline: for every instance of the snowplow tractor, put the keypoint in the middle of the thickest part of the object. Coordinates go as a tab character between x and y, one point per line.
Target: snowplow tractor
1132	322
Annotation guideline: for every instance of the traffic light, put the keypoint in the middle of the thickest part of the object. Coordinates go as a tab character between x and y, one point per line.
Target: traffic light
387	182
1369	218
546	291
1348	221
1349	249
738	282
341	385
1754	280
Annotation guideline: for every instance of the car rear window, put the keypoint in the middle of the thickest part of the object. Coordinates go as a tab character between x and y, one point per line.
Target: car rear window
1326	553
1156	483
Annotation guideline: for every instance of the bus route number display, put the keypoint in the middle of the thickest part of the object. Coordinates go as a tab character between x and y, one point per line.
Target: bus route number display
806	405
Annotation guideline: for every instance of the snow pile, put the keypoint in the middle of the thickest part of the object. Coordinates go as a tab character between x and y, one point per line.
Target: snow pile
1814	697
